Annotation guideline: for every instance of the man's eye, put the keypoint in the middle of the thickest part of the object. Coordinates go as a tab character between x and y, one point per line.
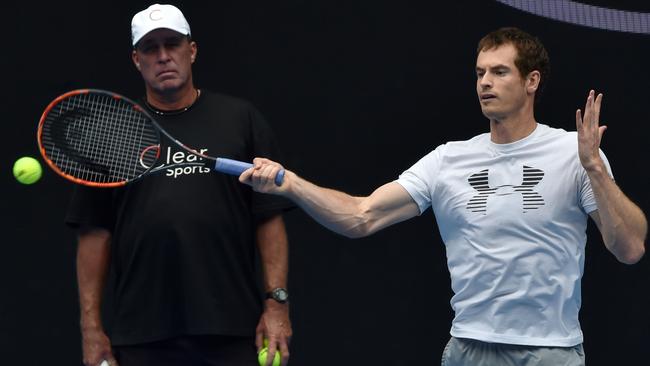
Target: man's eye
147	48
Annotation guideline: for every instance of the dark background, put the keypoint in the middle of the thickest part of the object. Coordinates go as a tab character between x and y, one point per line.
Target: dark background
357	91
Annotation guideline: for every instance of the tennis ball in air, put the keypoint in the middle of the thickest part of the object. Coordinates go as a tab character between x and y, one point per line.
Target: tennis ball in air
27	170
261	357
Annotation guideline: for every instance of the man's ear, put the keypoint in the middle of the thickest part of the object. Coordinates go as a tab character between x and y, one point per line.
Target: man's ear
532	81
136	60
194	50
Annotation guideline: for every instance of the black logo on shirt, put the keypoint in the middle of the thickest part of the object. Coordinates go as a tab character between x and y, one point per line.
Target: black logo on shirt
531	200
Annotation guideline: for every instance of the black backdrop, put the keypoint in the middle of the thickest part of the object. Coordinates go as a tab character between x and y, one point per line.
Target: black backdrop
357	91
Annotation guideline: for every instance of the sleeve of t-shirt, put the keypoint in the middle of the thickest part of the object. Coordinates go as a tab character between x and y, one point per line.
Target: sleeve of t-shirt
90	207
420	179
265	145
587	199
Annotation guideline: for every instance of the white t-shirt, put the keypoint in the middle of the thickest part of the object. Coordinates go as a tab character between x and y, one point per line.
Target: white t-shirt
513	219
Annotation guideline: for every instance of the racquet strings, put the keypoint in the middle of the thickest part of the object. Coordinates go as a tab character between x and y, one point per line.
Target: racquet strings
99	138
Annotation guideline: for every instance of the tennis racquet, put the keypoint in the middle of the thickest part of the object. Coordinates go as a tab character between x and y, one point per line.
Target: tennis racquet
102	139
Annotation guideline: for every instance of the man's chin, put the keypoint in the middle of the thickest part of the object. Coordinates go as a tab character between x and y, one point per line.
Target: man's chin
488	114
167	87
491	114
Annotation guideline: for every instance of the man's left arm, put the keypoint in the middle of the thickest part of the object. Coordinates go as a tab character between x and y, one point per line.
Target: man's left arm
621	223
274	324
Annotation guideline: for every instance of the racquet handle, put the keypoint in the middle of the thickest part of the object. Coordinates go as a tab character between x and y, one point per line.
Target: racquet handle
236	167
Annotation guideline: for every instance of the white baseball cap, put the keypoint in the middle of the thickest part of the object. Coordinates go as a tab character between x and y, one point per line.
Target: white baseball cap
158	16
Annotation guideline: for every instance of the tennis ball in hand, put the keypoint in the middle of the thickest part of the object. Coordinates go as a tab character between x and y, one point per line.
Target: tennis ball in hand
261	357
27	170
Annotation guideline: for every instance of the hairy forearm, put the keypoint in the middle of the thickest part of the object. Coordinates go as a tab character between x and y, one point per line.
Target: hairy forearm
337	211
274	252
93	254
622	223
340	212
274	324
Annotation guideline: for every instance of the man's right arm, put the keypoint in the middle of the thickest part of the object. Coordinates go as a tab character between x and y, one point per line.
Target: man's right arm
93	256
338	211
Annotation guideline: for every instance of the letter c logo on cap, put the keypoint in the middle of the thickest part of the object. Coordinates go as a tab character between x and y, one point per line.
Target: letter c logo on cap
154	16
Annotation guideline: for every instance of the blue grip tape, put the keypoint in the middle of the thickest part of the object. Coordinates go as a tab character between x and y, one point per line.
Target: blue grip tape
236	167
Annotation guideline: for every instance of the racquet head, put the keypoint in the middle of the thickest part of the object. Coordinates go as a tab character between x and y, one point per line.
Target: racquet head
98	138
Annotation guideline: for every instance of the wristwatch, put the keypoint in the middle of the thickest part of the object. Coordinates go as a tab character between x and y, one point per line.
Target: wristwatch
279	294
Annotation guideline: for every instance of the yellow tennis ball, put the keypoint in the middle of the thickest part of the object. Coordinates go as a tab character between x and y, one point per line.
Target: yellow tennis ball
261	357
27	170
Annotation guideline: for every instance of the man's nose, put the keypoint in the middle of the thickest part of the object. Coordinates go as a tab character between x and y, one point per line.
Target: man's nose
163	55
485	81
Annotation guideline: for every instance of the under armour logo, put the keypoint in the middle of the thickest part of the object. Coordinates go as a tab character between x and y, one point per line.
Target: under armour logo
531	199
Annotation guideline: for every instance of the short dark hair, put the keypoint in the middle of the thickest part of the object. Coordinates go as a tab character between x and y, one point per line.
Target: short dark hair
531	54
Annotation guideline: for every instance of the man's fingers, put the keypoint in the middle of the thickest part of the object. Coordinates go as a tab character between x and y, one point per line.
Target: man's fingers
259	172
591	115
268	171
601	131
284	352
258	175
270	355
277	346
263	161
260	161
245	176
261	176
589	106
265	174
259	341
597	103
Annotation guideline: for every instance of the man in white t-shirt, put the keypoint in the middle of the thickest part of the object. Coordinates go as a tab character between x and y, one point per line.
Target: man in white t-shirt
512	208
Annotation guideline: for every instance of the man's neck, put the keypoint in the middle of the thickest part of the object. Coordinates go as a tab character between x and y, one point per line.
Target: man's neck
176	100
512	128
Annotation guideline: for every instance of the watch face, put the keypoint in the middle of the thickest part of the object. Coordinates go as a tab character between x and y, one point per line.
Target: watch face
280	294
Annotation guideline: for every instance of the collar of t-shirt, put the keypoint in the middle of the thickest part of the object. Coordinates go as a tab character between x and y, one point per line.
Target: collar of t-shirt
509	147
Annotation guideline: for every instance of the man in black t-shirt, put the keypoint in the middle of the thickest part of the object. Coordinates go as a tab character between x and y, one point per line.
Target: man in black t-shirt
181	244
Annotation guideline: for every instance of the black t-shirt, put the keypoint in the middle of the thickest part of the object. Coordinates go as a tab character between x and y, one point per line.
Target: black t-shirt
183	248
